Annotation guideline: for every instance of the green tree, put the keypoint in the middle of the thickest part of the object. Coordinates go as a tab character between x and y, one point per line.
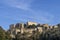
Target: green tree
58	25
2	34
8	37
34	26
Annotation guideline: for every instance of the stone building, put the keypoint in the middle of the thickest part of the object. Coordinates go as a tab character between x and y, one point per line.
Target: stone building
16	28
50	27
22	27
12	29
40	29
12	26
19	27
55	26
31	23
45	26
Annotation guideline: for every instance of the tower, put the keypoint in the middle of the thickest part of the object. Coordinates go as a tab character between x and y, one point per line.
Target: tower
22	27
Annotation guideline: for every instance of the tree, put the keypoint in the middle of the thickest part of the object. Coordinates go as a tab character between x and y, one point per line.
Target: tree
34	26
58	25
8	37
2	34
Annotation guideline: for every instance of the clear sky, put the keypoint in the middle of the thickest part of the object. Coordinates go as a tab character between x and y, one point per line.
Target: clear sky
41	11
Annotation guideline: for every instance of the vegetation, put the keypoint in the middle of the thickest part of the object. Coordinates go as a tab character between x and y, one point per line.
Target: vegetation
32	26
4	35
51	34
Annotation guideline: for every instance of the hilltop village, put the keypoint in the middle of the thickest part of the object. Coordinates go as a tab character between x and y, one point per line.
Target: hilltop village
29	28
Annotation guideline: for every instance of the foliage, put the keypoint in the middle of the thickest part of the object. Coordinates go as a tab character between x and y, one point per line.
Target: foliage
50	34
32	26
4	35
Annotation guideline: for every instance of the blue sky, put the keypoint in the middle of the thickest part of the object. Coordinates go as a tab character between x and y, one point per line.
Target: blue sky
41	11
